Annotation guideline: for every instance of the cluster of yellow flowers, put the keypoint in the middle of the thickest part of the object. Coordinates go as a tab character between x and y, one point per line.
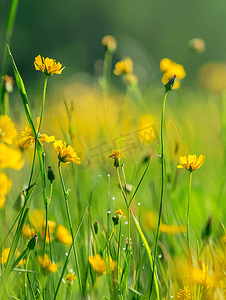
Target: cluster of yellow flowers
46	265
36	218
125	66
169	69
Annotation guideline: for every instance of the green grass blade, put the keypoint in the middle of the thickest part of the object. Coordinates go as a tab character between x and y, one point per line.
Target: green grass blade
139	183
9	31
148	253
23	93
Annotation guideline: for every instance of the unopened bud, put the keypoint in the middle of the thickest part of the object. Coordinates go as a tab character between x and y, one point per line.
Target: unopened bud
96	227
32	243
169	85
51	175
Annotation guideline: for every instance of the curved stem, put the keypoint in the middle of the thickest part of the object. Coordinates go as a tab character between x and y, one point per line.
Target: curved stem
162	189
70	223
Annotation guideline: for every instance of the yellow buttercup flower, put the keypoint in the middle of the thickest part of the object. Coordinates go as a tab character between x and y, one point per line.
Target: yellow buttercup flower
28	137
50	230
98	264
70	277
10	157
48	65
116	155
5	185
7	130
124	66
184	294
28	232
5	254
110	42
66	154
36	218
63	235
169	69
47	266
191	162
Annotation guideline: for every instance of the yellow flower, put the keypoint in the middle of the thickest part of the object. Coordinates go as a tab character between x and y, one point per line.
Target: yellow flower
184	294
50	230
110	42
70	277
47	65
63	235
28	137
124	66
116	155
47	266
191	162
27	231
172	229
36	218
198	45
66	154
169	69
10	157
7	130
8	83
5	185
5	254
119	213
98	264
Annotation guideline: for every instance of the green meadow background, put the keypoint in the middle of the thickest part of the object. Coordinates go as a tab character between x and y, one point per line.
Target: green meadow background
146	31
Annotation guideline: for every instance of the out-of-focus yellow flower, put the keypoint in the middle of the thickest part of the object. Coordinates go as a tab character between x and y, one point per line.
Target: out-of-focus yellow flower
28	232
66	154
191	162
151	222
10	157
5	254
198	45
48	65
119	213
110	42
70	277
36	218
50	230
63	235
7	130
8	83
28	137
172	229
5	185
124	66
98	264
184	294
169	69
47	266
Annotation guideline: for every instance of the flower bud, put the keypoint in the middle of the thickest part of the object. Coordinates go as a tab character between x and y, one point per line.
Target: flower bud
32	243
51	175
169	85
96	227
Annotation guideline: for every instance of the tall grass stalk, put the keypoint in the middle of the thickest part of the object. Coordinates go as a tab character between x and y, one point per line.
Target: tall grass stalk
162	188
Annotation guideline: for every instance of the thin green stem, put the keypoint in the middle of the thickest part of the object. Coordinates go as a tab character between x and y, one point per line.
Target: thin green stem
120	183
25	274
162	189
188	211
70	223
43	103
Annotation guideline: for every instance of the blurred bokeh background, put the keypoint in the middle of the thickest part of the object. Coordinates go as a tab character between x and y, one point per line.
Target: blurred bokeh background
146	31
